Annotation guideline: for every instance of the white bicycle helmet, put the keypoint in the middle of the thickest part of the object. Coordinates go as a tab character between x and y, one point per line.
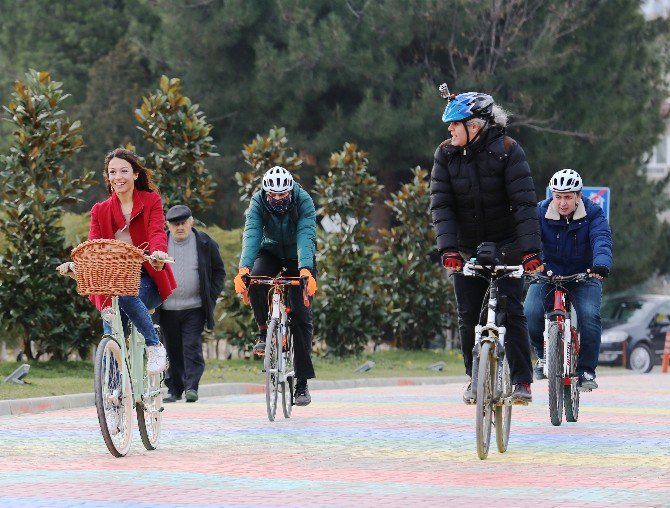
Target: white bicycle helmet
277	179
566	180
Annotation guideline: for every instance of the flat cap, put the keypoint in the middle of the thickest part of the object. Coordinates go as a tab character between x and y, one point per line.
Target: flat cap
178	213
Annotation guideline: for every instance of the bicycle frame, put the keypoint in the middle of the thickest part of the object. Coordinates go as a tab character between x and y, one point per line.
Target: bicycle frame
277	308
561	314
491	331
133	354
278	311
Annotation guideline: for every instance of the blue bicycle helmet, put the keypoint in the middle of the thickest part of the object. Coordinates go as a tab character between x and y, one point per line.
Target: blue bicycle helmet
468	105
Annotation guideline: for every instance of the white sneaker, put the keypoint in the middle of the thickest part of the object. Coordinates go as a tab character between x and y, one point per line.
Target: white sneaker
156	359
113	419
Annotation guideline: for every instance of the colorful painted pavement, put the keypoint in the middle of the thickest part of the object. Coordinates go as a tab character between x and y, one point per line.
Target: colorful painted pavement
394	446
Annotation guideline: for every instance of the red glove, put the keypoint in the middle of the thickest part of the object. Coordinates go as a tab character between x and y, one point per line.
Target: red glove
452	261
531	262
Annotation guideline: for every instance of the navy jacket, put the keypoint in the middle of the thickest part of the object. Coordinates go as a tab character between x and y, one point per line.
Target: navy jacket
573	246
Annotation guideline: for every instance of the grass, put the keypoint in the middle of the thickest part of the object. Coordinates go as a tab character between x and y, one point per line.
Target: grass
60	378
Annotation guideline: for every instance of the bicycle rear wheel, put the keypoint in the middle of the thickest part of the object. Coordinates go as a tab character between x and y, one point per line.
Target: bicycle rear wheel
272	345
485	381
287	386
113	398
570	392
555	373
504	411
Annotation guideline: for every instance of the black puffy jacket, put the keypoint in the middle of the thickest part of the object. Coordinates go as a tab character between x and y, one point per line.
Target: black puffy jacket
484	193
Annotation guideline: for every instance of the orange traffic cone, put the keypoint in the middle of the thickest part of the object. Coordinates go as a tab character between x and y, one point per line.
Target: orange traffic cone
666	353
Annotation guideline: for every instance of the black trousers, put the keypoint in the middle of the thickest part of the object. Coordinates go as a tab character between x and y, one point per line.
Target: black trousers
470	292
182	332
301	317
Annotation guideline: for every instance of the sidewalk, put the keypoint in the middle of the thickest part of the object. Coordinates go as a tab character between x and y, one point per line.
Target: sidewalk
77	400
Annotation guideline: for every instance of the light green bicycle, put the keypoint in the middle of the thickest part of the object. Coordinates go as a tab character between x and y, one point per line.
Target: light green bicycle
122	381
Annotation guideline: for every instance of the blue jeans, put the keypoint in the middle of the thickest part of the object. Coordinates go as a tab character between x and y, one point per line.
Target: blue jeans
586	297
137	309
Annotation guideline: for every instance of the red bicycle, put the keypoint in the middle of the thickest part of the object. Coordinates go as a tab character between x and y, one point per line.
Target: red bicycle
561	349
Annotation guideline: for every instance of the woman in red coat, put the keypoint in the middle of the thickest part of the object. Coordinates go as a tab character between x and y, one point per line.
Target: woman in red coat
133	213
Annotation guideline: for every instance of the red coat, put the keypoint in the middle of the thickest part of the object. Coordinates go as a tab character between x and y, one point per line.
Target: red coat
147	231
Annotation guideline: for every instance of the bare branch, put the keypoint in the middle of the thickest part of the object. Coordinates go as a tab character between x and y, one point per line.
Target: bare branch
537	125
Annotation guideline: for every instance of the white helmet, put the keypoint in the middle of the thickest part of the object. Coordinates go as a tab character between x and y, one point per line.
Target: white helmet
277	179
566	180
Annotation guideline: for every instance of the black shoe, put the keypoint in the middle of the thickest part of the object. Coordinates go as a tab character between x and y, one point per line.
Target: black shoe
587	382
467	395
191	395
538	370
301	396
521	394
171	398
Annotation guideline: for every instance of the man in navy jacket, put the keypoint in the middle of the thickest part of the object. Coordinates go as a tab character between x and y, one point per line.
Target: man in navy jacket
576	238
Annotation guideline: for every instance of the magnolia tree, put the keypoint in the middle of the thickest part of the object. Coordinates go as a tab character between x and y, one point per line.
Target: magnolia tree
419	297
179	133
35	302
260	155
347	311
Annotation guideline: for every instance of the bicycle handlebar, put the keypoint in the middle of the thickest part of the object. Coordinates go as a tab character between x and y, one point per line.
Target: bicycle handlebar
275	282
557	279
470	269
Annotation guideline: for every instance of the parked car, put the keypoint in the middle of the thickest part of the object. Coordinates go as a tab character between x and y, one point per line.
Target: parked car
639	323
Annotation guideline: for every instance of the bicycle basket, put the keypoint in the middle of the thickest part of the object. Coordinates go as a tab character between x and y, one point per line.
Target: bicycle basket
107	267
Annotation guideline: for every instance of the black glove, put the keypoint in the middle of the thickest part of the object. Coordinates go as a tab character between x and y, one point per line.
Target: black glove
603	271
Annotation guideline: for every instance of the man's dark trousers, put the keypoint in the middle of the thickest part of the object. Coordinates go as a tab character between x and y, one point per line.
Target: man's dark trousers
182	330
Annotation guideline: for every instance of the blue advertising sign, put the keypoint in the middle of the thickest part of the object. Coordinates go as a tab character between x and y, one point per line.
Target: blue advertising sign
599	195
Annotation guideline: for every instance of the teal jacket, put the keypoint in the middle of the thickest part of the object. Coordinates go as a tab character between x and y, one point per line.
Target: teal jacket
291	235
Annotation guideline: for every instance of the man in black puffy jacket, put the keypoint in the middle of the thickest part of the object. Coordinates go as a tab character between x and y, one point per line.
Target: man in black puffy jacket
481	190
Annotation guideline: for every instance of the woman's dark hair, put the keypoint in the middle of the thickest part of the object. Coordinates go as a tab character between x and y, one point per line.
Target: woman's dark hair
144	181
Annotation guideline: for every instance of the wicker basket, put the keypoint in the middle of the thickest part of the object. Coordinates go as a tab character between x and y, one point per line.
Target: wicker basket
107	267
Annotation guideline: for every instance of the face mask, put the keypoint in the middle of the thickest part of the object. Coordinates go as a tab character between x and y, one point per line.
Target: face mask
280	205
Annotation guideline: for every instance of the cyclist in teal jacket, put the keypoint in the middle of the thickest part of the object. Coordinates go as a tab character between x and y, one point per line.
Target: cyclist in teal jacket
280	232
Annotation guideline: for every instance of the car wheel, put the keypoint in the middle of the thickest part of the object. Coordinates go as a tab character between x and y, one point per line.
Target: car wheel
641	359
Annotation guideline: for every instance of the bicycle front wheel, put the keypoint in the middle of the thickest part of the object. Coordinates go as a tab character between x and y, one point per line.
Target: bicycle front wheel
150	411
570	392
113	397
272	345
287	386
486	377
555	373
504	409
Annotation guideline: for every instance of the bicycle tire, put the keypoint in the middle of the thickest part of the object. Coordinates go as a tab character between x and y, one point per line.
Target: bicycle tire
503	412
150	412
485	380
271	360
288	385
570	392
108	390
555	373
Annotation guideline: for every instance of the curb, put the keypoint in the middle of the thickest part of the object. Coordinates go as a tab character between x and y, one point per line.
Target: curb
41	404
